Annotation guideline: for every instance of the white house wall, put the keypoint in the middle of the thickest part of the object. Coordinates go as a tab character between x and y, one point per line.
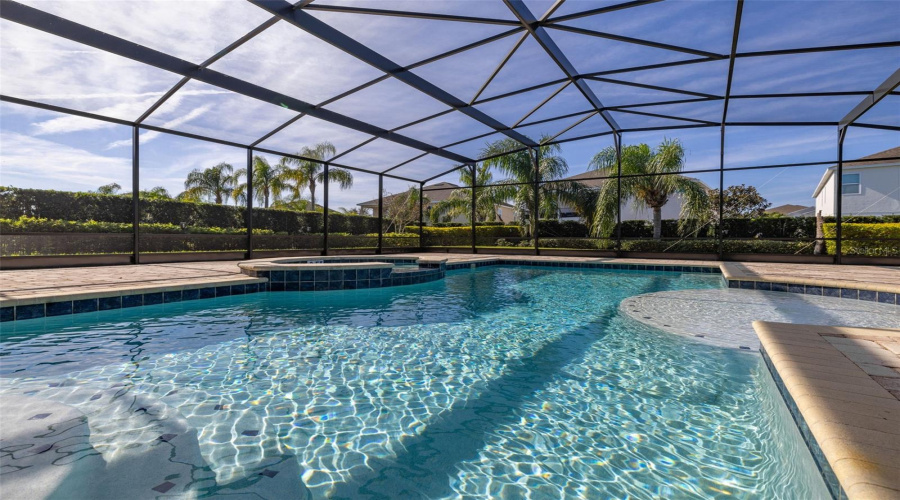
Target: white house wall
879	193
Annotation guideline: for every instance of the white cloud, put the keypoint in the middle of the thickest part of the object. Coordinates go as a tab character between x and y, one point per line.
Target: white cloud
172	124
39	163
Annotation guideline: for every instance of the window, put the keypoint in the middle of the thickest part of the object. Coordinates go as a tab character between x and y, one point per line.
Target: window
850	184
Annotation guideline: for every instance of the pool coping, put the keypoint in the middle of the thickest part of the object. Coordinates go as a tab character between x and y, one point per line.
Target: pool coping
851	424
121	296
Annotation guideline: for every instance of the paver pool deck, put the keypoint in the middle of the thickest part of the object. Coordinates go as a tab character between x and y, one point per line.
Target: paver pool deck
845	381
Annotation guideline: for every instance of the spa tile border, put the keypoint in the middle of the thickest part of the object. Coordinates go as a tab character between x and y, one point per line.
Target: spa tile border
828	475
320	280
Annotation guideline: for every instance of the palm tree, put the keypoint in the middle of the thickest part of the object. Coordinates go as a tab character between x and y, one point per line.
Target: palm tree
214	183
648	191
460	200
267	181
518	165
309	173
156	193
111	188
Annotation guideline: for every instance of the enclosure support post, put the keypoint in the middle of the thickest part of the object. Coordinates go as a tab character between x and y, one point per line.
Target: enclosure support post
537	202
249	254
839	189
380	213
136	193
325	210
720	227
474	182
421	213
618	141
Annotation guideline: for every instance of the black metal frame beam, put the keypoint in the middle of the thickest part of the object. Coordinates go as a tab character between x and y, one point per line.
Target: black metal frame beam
739	9
886	87
326	33
222	53
601	10
530	23
636	41
416	15
64	28
423	62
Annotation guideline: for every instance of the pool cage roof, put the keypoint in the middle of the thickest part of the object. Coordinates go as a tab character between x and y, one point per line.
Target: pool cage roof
452	75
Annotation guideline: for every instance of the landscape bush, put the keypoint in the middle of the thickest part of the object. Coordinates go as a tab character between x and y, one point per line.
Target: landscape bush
872	240
84	207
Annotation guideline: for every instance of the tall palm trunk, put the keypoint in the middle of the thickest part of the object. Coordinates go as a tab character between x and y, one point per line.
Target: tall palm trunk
266	197
312	195
657	223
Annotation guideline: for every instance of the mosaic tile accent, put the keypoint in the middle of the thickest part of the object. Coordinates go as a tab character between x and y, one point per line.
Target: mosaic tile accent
844	293
831	480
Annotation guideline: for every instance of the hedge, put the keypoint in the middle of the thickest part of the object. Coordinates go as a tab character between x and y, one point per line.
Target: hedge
462	236
873	240
79	243
27	224
76	206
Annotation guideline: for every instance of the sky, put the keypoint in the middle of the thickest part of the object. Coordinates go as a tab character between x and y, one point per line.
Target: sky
42	149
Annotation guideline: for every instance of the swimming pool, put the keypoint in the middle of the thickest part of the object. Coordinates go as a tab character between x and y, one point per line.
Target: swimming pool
491	383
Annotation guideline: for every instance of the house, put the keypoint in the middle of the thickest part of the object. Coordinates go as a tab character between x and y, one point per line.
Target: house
437	193
790	210
871	186
670	210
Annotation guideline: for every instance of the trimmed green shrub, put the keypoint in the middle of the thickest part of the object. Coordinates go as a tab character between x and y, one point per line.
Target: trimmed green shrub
74	206
873	240
27	224
462	236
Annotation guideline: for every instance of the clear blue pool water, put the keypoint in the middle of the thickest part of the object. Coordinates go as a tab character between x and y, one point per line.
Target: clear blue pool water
493	383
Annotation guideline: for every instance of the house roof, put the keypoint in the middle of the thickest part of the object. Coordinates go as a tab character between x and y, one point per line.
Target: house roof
589	179
886	158
787	209
436	193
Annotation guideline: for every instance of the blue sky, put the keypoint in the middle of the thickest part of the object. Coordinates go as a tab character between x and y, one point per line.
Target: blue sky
48	150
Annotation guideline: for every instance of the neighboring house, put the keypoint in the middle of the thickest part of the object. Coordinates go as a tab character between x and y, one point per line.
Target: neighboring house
670	210
437	193
870	187
793	210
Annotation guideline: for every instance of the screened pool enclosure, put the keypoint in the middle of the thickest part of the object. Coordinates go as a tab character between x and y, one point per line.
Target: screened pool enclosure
421	97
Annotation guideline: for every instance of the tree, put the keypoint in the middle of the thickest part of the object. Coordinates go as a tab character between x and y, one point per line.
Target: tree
402	209
460	200
354	211
651	191
156	193
309	173
508	157
739	202
214	183
111	188
268	182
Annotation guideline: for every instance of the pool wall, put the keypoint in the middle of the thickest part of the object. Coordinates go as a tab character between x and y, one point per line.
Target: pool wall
275	281
828	475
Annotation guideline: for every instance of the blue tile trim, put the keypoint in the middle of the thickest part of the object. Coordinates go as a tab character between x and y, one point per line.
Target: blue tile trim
68	307
132	300
108	303
59	308
83	306
30	311
828	475
826	291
